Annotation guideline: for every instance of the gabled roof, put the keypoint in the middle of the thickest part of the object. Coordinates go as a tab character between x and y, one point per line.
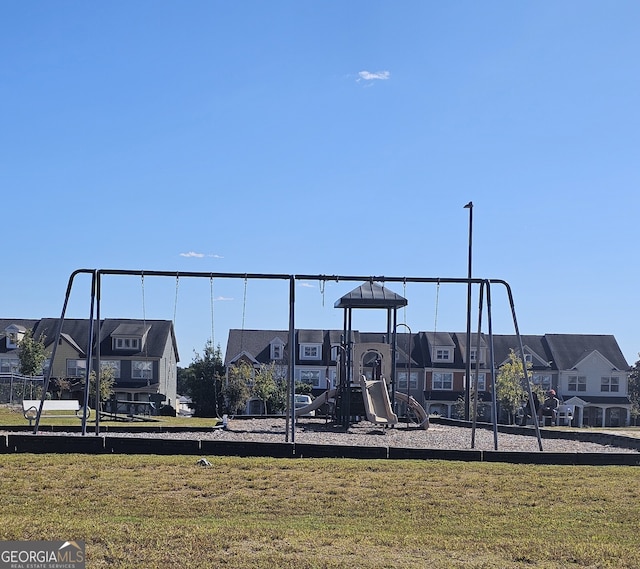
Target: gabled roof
246	355
569	349
254	342
533	344
371	295
72	343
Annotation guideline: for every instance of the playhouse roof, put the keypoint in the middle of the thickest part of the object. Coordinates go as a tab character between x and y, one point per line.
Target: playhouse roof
371	295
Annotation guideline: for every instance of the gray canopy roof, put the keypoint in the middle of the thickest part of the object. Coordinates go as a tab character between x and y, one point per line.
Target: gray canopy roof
371	295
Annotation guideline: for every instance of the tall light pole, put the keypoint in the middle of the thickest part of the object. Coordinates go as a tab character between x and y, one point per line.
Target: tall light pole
467	386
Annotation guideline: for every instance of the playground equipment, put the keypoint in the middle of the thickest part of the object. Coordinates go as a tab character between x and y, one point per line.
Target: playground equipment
374	363
355	299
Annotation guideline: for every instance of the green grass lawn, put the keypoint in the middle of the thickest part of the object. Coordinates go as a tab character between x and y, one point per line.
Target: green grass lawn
151	511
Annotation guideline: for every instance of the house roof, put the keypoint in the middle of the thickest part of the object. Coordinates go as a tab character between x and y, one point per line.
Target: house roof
255	342
371	295
131	329
536	345
76	332
159	332
569	349
547	349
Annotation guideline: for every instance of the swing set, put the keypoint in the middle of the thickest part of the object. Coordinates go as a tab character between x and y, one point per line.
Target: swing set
484	285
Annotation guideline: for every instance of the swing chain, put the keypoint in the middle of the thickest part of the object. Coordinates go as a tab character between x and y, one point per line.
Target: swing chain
175	303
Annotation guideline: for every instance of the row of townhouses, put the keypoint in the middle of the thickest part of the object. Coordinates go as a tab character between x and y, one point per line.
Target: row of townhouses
588	372
143	355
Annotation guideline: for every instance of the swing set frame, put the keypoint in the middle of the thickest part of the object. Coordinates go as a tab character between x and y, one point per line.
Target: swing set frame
94	320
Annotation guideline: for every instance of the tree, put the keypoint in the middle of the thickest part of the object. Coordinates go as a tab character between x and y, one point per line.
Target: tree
32	354
107	381
203	381
511	390
264	384
634	391
236	388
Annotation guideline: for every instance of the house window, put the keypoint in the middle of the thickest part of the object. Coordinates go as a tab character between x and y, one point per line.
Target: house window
126	343
310	376
528	358
14	335
610	384
9	365
402	380
442	381
577	383
443	354
114	365
142	369
76	368
482	381
334	352
12	340
310	351
277	351
544	381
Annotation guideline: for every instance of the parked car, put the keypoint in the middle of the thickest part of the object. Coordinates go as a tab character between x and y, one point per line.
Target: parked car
303	401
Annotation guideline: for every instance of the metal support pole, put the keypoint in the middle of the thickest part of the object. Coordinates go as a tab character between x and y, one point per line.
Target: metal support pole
469	206
98	364
494	395
87	371
292	358
474	406
47	377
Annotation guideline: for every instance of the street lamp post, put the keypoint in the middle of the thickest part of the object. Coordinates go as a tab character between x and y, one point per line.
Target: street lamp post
467	386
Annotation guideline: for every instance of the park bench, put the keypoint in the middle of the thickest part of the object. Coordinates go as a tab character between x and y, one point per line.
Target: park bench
52	409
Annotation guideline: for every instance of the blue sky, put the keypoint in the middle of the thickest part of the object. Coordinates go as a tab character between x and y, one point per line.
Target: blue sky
322	138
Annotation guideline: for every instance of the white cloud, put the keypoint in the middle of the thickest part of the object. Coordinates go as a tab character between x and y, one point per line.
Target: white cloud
372	76
307	285
222	298
200	255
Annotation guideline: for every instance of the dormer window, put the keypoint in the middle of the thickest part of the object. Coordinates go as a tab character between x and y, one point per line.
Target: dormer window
14	335
443	354
277	349
126	344
473	355
310	351
129	337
